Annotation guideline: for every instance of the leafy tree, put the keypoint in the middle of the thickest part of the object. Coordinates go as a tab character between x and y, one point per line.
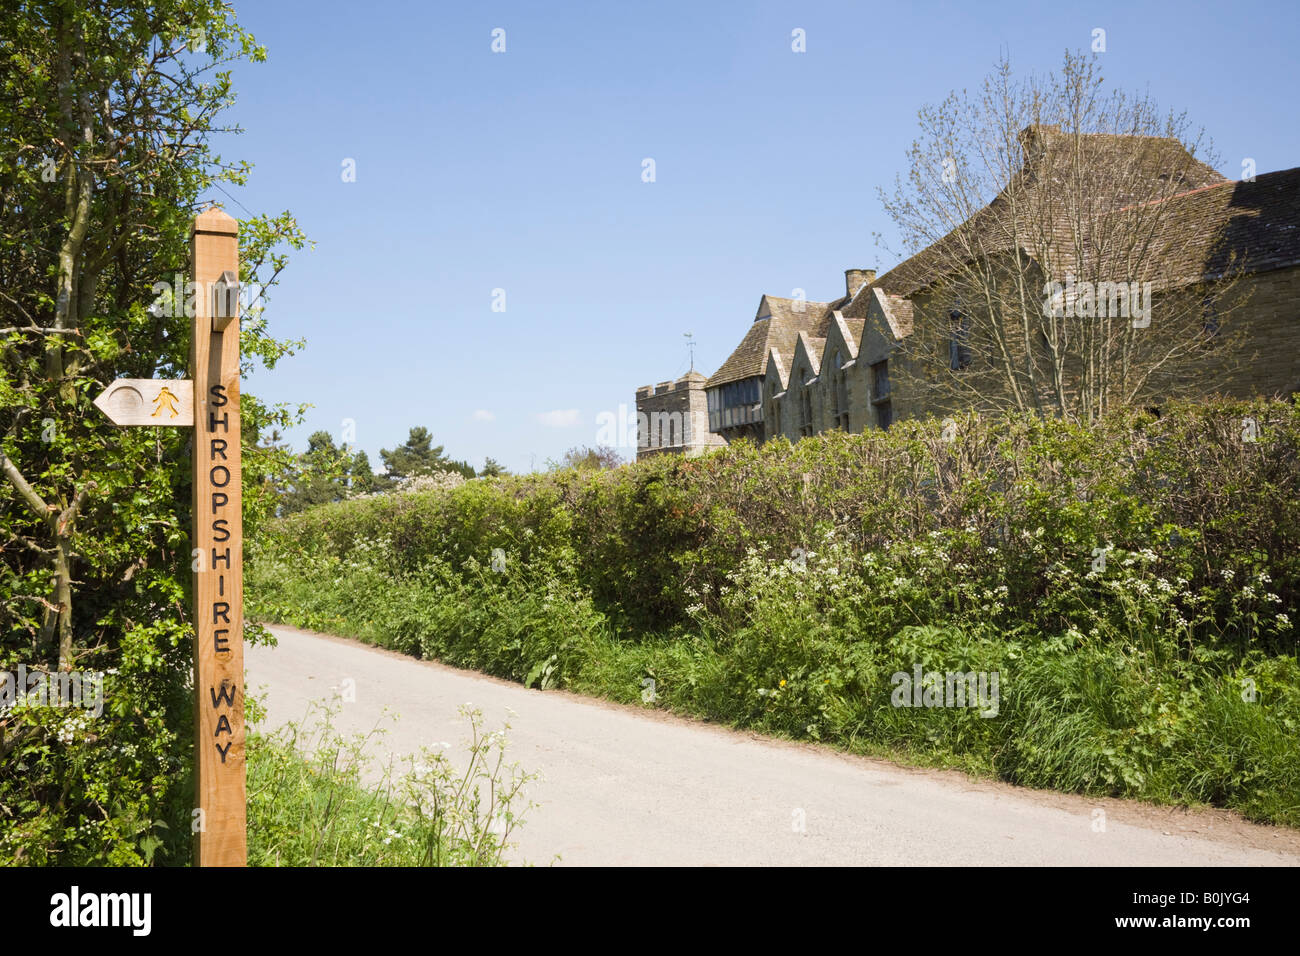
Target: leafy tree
585	458
276	480
493	468
106	110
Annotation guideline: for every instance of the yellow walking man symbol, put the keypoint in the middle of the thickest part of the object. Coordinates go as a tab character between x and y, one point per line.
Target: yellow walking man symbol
165	400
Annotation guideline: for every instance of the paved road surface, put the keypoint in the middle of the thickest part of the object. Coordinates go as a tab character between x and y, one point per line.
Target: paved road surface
625	786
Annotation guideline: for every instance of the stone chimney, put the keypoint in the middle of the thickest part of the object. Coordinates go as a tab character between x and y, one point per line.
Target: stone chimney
855	279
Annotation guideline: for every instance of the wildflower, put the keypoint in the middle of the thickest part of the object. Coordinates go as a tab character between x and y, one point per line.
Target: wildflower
783	682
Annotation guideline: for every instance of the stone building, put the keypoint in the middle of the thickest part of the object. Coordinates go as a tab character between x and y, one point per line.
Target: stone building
805	367
673	417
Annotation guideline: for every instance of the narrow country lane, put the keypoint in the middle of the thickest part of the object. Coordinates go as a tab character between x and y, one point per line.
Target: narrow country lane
630	787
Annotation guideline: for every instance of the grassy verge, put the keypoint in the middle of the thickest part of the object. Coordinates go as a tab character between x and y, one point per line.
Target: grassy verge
314	799
1139	719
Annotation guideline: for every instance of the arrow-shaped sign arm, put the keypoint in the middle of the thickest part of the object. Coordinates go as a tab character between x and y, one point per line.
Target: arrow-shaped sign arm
148	401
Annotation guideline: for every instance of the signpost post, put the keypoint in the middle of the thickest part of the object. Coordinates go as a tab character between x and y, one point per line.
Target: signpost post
209	402
219	544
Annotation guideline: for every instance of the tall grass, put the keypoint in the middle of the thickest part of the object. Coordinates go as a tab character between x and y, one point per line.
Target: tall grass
315	798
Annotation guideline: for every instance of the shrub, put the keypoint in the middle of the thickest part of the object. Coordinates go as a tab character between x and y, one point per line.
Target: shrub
1121	580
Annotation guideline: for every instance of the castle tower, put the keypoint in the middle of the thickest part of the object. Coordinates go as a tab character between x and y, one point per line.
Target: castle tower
674	417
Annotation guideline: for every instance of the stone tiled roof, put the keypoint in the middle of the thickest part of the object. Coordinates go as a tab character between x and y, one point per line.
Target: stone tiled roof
856	308
1233	226
857	328
850	330
899	311
1127	169
777	364
777	324
812	347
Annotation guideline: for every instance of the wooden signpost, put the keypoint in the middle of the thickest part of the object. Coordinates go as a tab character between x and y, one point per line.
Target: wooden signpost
209	402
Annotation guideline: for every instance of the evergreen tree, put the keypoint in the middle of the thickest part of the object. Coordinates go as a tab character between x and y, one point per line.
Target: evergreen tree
419	456
325	473
362	479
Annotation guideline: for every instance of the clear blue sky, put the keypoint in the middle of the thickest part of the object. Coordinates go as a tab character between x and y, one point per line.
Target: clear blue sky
522	171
